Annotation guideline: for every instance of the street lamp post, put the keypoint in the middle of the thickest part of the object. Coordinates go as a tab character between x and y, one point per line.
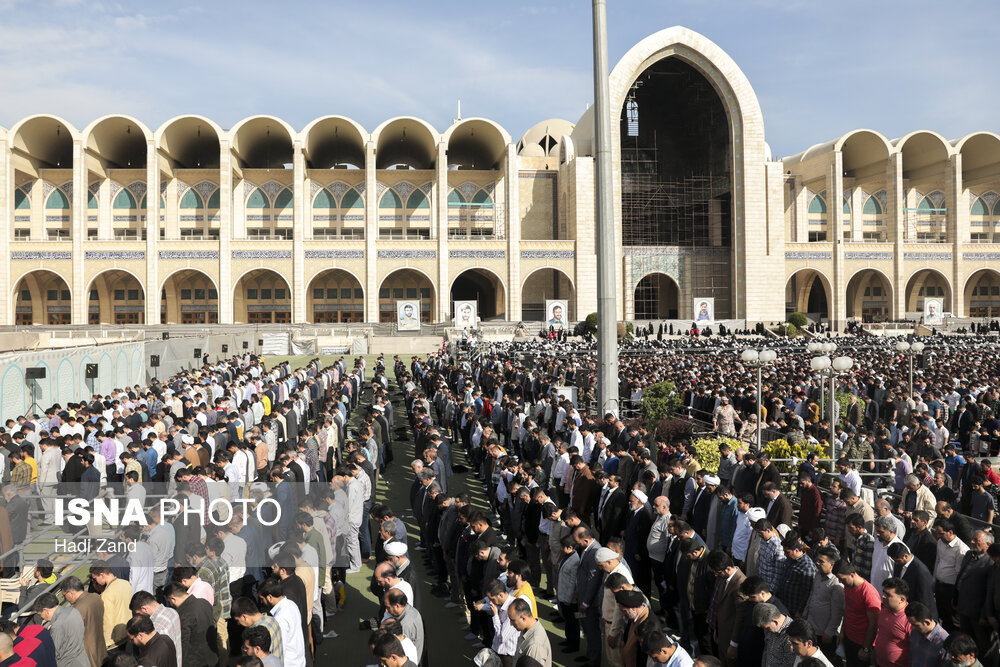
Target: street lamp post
910	350
830	368
758	359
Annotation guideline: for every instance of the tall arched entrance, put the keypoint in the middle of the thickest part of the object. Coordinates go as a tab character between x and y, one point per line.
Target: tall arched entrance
869	296
189	297
262	296
42	297
483	287
808	292
676	172
116	297
336	296
927	284
656	297
406	285
544	285
982	294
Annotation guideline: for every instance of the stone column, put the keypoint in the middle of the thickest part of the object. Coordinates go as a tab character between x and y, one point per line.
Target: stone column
801	212
37	210
105	207
511	224
371	234
226	223
958	231
439	213
896	220
78	218
835	223
152	286
298	286
858	215
171	223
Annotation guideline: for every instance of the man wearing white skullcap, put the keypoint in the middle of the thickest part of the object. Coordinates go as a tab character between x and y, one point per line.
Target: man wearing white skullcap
398	556
640	521
753	548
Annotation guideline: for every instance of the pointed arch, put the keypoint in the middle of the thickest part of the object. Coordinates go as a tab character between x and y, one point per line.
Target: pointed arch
352	199
817	206
57	201
191	200
872	206
258	200
324	199
213	200
21	200
390	200
283	199
417	199
979	207
125	200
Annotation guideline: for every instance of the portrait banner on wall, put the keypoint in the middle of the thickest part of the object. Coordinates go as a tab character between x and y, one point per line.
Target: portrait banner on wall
466	313
704	311
408	315
556	313
933	312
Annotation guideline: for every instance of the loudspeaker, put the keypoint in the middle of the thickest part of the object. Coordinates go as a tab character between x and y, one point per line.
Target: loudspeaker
34	373
197	352
246	345
260	342
154	360
166	336
225	349
91	371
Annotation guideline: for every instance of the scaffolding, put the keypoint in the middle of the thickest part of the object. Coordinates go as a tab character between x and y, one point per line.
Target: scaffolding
690	212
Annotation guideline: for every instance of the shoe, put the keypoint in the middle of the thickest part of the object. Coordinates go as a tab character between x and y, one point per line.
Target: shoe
471	636
330	635
450	605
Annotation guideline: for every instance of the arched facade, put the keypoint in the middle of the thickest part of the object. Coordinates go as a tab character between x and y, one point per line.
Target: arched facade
41	298
116	297
808	291
406	285
262	296
687	130
485	288
336	296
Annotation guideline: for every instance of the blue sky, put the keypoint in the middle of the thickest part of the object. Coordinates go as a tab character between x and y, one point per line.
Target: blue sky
818	68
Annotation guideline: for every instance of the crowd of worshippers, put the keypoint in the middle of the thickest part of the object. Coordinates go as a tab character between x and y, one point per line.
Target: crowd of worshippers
744	566
247	588
956	394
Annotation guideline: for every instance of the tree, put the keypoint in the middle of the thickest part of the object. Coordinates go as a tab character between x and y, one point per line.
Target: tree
659	401
799	320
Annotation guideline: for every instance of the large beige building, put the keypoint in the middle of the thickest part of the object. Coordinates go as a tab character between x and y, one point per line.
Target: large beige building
191	223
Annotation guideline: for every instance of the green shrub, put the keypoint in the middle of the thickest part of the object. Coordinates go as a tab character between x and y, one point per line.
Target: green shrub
798	319
659	402
591	323
786	329
707	451
844	399
781	449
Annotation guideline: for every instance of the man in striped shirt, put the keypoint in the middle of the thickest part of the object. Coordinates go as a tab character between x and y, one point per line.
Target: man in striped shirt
165	620
246	613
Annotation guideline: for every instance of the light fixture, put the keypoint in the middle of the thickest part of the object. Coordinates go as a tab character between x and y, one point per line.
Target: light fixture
749	356
902	346
917	347
820	363
813	346
767	356
842	363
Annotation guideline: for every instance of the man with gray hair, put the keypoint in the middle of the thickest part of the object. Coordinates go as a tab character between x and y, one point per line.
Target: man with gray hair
777	650
884	508
882	565
970	588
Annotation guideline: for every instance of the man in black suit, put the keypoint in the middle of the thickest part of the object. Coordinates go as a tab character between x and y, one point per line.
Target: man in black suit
915	574
777	505
612	510
588	588
640	520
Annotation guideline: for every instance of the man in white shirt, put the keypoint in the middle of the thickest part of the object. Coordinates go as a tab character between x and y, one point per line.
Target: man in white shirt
882	565
286	613
950	553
